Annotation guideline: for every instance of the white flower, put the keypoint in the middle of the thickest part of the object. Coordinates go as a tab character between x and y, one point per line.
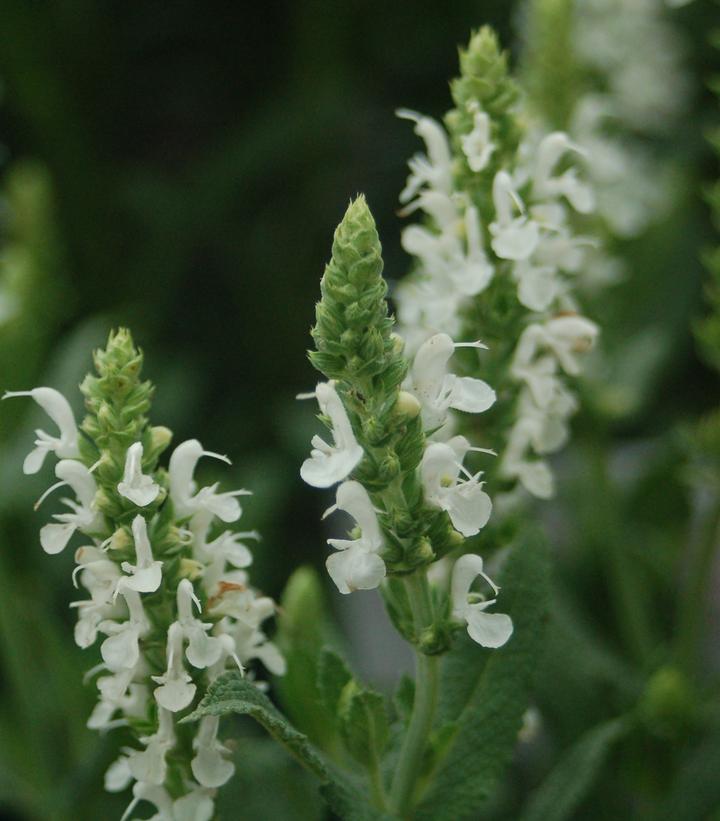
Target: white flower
545	185
439	390
176	689
196	805
146	575
137	486
118	776
487	629
513	237
566	336
149	765
476	145
433	169
202	650
444	257
329	464
209	766
357	565
54	537
538	285
185	500
466	503
121	650
118	692
58	409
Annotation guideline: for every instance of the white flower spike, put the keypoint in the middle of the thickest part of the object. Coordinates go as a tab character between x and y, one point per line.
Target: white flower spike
329	464
136	486
58	409
357	565
487	629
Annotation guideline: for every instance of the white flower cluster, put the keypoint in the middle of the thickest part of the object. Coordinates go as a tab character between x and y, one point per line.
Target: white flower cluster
115	609
529	239
446	483
634	57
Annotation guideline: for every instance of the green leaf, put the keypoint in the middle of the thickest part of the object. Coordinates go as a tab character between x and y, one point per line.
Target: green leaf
346	798
560	794
231	693
332	677
363	723
695	792
490	721
303	631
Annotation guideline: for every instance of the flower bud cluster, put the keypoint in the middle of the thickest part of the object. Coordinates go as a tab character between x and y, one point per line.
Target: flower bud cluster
496	253
399	471
166	578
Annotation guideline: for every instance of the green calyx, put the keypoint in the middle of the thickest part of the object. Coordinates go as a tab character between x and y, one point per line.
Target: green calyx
353	332
117	401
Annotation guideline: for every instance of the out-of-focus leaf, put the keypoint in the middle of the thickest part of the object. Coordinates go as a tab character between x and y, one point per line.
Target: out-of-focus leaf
695	792
490	722
562	791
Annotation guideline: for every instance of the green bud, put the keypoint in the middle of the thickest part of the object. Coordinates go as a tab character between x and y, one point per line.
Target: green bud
667	705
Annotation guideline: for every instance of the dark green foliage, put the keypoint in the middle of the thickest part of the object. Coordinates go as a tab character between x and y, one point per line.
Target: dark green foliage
489	722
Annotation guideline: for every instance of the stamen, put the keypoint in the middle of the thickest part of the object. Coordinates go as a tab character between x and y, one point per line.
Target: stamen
307	395
330	510
10	394
47	493
219	456
476	344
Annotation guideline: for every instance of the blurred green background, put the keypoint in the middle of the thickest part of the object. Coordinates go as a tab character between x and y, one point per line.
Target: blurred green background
179	168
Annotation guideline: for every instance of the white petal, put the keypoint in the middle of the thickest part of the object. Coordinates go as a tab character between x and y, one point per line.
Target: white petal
355	569
34	460
203	650
140	495
175	695
121	651
515	241
210	768
469	508
322	470
146	580
197	806
537	479
54	537
354	499
118	775
272	658
488	629
471	395
537	288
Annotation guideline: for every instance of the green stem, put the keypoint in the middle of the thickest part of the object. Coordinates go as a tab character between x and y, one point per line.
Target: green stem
693	603
426	688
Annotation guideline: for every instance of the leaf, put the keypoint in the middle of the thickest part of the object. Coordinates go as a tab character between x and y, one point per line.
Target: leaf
332	677
695	791
490	722
231	693
363	723
269	785
303	631
560	794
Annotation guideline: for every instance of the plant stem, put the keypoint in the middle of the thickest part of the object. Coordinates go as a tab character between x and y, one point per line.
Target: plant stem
423	713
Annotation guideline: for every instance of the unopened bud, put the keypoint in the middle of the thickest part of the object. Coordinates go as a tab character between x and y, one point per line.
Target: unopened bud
160	438
191	569
407	405
120	540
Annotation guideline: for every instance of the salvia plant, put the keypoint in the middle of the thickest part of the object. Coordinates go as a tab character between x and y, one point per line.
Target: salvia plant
434	440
